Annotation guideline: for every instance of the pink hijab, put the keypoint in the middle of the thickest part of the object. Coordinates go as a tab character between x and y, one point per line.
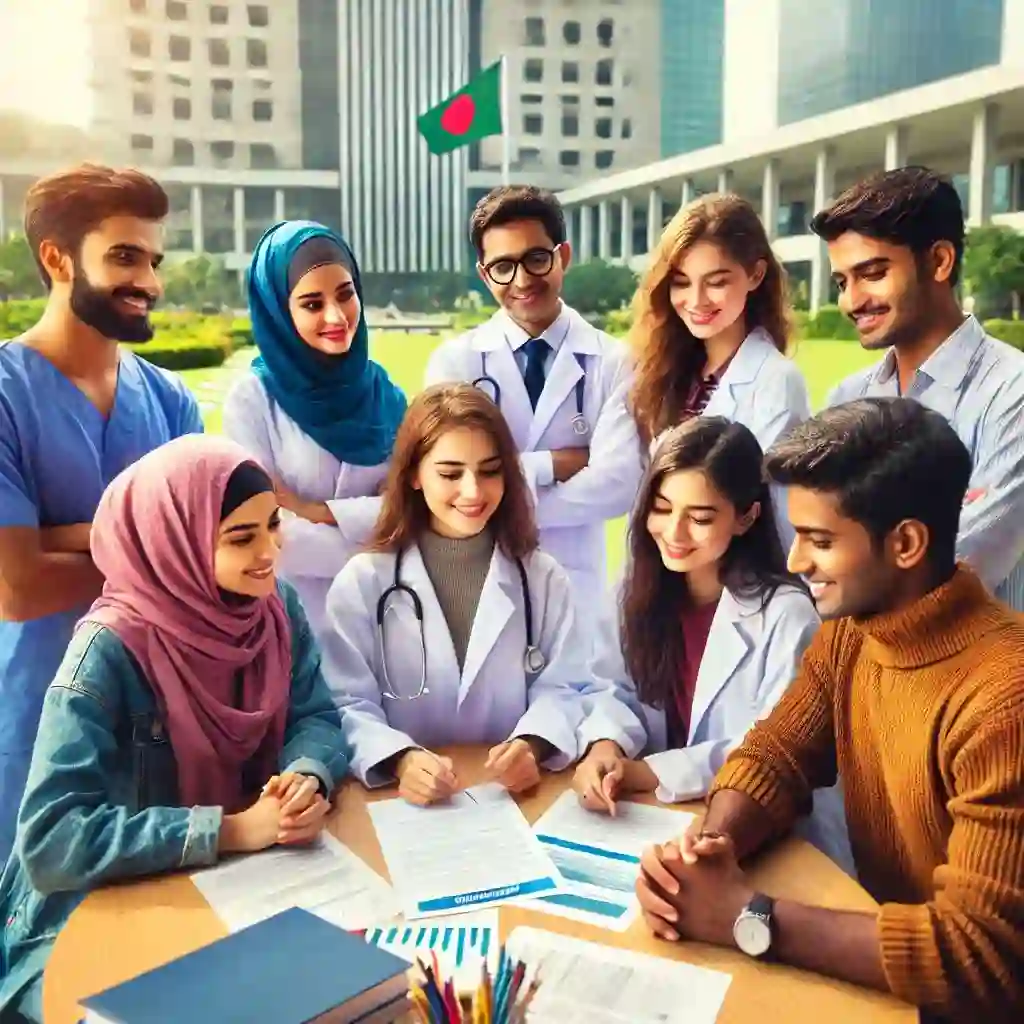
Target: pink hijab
154	538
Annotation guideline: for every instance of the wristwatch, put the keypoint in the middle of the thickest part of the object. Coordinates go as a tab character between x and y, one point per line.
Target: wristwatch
754	928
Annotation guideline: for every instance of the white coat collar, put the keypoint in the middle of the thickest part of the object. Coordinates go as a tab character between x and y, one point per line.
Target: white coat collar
569	329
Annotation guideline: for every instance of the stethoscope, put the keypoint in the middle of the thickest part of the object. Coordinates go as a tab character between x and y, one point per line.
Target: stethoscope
533	658
579	421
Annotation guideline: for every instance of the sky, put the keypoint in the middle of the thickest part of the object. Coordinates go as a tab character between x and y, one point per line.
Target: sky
44	60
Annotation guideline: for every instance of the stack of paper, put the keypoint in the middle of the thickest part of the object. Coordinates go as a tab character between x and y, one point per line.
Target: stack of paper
325	878
598	857
472	851
461	944
584	983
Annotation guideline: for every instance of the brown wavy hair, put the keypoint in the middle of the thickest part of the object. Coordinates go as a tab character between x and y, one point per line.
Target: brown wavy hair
668	357
654	598
431	414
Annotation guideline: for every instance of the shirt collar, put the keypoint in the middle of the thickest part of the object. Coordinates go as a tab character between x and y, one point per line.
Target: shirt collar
949	363
554	335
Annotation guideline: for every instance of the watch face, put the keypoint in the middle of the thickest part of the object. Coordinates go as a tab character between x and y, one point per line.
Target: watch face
752	935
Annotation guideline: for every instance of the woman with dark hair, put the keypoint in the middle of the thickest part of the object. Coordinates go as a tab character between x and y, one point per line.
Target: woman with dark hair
708	629
454	627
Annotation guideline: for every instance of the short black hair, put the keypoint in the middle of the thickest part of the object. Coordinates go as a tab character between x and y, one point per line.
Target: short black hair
509	203
913	207
886	459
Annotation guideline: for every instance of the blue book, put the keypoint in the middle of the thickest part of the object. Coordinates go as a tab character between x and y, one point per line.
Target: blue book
292	968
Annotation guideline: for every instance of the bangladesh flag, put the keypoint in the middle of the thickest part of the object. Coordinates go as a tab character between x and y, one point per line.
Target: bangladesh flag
472	113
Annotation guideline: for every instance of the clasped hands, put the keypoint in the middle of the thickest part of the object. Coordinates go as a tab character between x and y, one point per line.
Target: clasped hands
290	810
426	778
693	888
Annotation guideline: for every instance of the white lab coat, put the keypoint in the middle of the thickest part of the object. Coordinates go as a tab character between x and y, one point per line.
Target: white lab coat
571	516
752	656
490	700
766	392
312	554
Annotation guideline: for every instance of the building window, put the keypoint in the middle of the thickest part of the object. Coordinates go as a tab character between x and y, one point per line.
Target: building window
533	32
603	159
571	32
142	143
140	43
570	71
262	85
569	158
183	81
604	71
222	84
533	70
137	6
183	153
262	110
220	105
142	77
262	156
530	98
142	104
256	53
176	10
259	15
222	150
570	124
218	14
569	100
533	124
605	31
182	107
603	127
179	48
627	128
529	157
605	101
220	54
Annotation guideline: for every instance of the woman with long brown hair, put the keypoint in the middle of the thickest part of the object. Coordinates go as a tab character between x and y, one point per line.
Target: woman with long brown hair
708	628
454	627
711	326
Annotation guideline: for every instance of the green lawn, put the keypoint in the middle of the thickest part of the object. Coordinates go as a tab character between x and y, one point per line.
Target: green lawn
824	363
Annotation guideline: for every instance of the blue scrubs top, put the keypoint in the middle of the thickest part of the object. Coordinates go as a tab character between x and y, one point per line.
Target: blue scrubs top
57	455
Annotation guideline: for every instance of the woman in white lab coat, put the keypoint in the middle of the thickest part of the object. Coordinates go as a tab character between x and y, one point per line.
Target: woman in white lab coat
454	627
316	410
711	330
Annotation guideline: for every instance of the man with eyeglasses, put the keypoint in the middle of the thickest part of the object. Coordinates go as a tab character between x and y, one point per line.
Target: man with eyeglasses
562	384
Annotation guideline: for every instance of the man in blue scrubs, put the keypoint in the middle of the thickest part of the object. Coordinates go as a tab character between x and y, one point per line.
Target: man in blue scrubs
75	409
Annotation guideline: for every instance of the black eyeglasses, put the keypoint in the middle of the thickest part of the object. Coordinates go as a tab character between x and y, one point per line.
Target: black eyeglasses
536	262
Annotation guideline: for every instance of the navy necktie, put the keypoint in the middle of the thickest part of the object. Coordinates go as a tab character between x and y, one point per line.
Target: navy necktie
536	350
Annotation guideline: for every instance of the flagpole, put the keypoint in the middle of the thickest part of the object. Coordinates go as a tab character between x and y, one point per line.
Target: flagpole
506	134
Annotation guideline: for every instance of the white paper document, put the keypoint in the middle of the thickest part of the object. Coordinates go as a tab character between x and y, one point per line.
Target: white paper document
598	857
584	983
461	944
326	878
472	851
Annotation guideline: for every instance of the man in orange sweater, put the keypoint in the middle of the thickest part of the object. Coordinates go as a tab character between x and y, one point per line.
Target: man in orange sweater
913	693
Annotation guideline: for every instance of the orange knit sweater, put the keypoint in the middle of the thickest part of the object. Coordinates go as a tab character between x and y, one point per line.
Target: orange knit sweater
922	711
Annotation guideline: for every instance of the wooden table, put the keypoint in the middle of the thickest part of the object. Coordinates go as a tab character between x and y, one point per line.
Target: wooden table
122	930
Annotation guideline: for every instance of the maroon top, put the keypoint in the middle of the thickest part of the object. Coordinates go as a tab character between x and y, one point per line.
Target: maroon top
696	624
702	389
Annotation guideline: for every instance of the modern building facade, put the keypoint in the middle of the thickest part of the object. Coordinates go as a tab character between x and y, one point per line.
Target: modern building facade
798	127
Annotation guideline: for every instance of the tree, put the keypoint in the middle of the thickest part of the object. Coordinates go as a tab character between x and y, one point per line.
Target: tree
19	276
598	287
200	282
994	269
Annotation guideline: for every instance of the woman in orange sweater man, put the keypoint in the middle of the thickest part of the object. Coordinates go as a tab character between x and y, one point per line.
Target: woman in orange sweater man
914	694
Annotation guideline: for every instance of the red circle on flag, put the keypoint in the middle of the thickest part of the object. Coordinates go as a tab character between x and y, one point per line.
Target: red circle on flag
457	117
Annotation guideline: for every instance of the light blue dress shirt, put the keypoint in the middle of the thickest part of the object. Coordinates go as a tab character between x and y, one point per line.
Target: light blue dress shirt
977	383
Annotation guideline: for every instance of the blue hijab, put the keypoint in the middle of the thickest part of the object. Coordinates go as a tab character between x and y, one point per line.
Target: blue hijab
347	403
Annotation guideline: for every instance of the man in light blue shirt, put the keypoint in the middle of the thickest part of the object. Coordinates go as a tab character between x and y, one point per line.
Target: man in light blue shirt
896	242
75	410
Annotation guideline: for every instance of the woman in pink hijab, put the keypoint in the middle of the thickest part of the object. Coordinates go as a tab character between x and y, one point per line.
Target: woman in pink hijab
189	717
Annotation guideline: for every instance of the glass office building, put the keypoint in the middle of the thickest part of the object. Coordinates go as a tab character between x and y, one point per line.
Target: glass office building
692	45
850	51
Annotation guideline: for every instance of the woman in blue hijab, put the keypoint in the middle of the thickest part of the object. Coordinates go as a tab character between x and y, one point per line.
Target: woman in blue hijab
315	410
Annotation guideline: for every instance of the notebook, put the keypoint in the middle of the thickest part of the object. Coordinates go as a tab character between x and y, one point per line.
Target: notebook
292	968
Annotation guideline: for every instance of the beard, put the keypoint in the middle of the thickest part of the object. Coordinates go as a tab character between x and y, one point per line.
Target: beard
96	307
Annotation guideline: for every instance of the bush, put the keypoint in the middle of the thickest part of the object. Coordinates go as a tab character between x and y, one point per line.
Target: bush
618	322
830	322
181	355
241	334
1010	331
18	315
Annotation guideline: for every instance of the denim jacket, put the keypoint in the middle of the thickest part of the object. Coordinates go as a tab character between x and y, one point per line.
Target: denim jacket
101	800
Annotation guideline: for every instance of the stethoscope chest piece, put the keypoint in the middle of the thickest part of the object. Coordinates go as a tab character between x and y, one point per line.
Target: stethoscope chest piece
580	425
534	661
